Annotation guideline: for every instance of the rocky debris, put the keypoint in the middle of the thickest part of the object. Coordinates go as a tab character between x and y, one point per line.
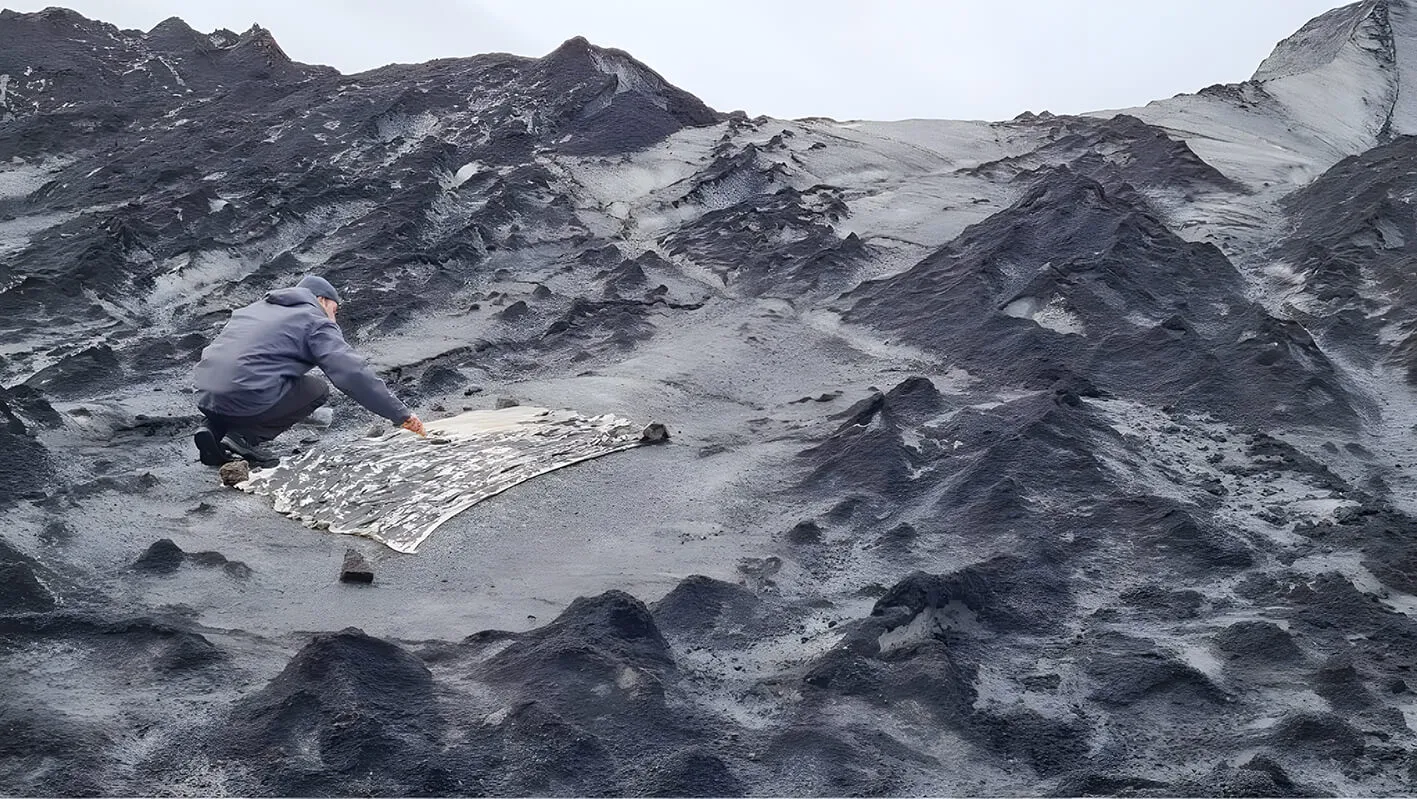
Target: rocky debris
1127	671
355	568
758	572
165	557
592	639
233	473
1007	593
689	772
439	379
87	371
506	402
1318	735
823	397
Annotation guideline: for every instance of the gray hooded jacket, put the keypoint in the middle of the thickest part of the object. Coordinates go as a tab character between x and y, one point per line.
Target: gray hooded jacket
268	344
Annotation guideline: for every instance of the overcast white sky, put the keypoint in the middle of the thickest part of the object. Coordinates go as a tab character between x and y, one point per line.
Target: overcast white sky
848	59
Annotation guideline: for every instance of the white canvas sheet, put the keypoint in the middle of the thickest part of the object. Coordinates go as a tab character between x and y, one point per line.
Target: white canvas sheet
398	488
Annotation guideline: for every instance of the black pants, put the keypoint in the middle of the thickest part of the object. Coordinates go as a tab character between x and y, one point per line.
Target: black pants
306	393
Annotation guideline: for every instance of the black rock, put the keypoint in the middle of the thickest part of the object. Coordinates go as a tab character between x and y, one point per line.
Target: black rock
355	568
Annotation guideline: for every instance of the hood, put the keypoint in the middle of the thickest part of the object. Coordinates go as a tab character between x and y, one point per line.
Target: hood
292	296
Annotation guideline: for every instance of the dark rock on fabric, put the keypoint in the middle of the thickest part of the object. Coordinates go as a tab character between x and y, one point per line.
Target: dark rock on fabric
655	433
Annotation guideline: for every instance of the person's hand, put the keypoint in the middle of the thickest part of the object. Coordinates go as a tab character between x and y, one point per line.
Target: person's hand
413	424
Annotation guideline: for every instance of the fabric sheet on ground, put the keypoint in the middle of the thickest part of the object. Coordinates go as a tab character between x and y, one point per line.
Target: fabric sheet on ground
398	488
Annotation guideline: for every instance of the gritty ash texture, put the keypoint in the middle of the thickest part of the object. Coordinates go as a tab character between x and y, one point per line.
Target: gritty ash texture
1052	456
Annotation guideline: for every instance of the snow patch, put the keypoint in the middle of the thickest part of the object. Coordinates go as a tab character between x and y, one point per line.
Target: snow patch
403	126
20	180
16	234
1053	315
464	172
629	77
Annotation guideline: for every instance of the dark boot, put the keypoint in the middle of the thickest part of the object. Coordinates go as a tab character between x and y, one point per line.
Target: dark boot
209	449
250	450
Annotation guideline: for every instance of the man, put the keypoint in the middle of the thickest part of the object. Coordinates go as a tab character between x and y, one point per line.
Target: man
252	383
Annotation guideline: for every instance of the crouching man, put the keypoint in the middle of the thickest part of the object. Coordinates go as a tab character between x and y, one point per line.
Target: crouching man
252	381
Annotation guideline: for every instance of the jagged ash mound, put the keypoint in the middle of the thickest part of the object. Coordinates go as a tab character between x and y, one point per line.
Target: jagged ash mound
1075	278
346	704
1056	456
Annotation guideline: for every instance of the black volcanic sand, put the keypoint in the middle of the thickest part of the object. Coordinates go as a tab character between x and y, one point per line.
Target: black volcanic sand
1059	505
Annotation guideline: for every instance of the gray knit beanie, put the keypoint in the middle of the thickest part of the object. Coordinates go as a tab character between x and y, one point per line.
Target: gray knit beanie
318	286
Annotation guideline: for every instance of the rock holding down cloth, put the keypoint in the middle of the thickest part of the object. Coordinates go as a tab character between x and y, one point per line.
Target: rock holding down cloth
398	488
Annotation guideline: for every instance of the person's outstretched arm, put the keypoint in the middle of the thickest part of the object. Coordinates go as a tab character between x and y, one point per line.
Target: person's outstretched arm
352	375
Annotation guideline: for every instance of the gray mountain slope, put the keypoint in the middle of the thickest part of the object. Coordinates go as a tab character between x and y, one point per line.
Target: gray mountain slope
1058	455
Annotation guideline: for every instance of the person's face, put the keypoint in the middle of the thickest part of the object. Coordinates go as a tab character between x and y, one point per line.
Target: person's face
330	306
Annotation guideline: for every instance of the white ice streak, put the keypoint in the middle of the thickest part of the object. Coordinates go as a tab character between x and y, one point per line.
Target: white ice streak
1053	314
